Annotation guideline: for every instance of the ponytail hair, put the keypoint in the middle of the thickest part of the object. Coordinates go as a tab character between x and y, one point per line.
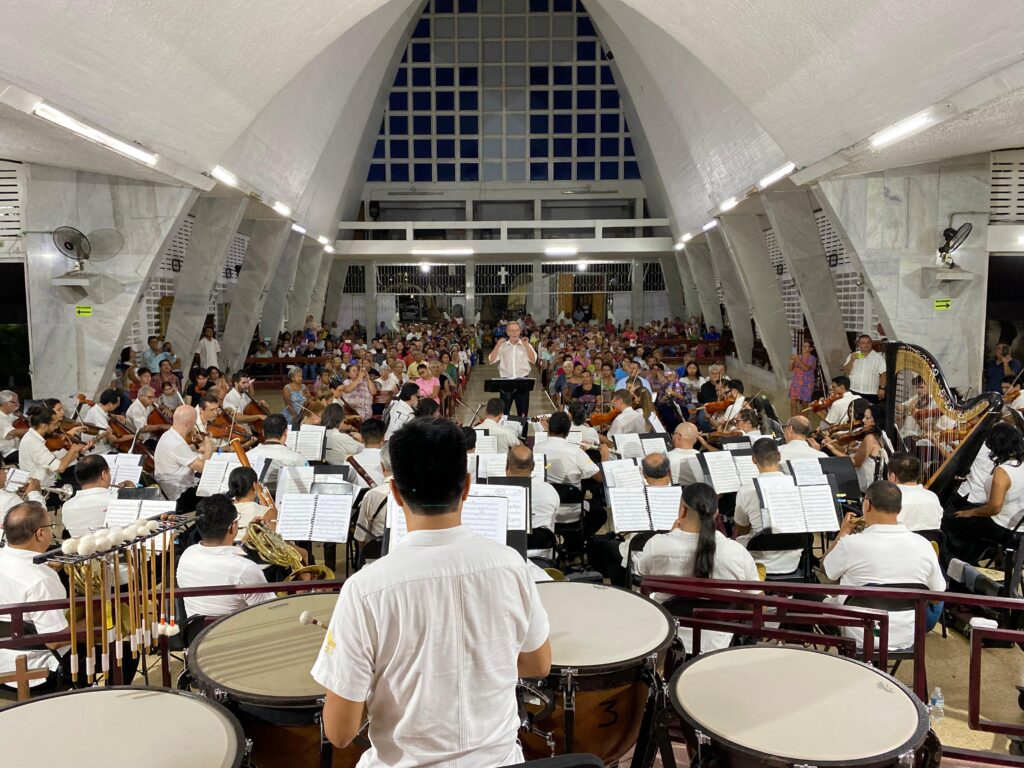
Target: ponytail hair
702	499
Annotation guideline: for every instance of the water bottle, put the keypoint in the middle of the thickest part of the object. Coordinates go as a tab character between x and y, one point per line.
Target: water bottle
937	705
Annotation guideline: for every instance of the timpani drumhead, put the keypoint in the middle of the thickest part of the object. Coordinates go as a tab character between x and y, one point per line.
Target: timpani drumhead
598	626
798	705
263	655
102	727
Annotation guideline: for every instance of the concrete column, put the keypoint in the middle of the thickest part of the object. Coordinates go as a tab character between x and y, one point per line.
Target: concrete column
892	221
216	222
796	232
319	296
744	238
636	294
76	330
691	296
539	304
335	288
698	258
737	305
371	301
673	287
470	309
300	300
272	320
266	246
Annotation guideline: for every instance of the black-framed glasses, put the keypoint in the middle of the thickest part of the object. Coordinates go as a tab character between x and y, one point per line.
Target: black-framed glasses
51	526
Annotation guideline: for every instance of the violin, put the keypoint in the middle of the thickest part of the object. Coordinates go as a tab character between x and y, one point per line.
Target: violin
60	442
821	404
716	407
223	428
852	436
602	419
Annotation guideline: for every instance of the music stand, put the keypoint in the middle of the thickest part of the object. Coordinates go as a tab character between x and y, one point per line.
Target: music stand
510	390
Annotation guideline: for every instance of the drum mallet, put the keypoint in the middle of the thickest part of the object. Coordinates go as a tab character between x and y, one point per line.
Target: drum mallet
307	618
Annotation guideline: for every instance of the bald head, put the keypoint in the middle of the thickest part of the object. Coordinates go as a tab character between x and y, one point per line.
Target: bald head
685	435
799	428
520	462
657	469
184	418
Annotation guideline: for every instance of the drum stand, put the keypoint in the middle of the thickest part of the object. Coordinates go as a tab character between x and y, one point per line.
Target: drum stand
653	737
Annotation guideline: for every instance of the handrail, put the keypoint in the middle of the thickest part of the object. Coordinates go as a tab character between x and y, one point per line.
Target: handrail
506	224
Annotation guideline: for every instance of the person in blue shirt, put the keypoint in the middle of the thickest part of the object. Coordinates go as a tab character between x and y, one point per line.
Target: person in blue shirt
154	355
1002	365
712	334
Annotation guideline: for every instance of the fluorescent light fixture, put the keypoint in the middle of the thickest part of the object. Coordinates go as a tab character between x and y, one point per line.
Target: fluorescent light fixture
283	209
322	240
901	130
424	268
298	228
678	246
329	248
442	251
776	175
224	176
686	238
57	117
1020	241
581	267
710	225
728	205
561	250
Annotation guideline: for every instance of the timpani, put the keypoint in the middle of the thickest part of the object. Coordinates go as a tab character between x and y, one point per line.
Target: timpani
778	706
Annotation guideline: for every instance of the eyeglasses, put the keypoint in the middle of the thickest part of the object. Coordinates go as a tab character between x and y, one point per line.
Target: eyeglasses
51	526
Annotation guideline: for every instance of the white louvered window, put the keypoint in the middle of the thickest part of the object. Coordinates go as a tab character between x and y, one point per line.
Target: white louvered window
1006	186
12	194
787	285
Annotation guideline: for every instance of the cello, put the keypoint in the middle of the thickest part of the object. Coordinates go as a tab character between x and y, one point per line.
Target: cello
255	408
121	429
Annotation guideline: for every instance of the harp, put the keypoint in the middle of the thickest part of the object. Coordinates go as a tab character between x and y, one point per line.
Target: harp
926	418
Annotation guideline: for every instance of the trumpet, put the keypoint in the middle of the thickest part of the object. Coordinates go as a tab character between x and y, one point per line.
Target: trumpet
859	525
62	492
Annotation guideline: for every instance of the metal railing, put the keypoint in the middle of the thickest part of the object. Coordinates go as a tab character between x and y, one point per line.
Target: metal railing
528	228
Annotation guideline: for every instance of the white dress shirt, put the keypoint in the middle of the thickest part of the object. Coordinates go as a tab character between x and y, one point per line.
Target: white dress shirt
568	464
86	511
209	349
684	465
137	415
247	512
22	581
399	413
203	566
279	455
38	460
338	446
885	554
8	445
448	607
171	462
588	434
748	512
372	512
800	449
369	459
9	500
236	401
979	478
504	436
921	510
513	362
544	504
629	421
97	417
866	372
675	554
1013	502
839	411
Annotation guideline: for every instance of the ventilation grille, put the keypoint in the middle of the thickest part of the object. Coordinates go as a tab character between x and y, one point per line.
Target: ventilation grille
787	286
12	189
500	279
355	279
1006	186
654	277
409	278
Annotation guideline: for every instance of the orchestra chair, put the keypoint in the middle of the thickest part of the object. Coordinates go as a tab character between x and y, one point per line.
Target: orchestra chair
896	655
573	760
542	538
572	539
774	542
636	544
22	674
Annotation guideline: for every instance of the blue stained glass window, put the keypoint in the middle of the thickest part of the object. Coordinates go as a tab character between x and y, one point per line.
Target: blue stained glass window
469	148
584	147
398	101
586	99
469	171
424	172
609	99
585	27
609	123
538	147
563	148
398	125
467	6
445	124
609	147
538	99
444	76
469	101
562	6
562	172
631	170
399	172
586	123
421	101
586	50
421	125
402	77
586	75
538	171
562	124
562	99
422	149
609	170
538	123
606	75
469	124
422	28
446	148
627	147
421	77
421	52
539	6
538	75
378	172
379	150
443	6
469	76
399	148
561	75
444	101
446	171
585	171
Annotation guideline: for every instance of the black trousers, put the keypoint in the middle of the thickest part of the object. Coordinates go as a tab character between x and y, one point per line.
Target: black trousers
967	538
872	398
521	400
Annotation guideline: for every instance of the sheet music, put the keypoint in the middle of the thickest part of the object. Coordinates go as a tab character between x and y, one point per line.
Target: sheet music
785	508
664	505
310	442
487	516
16	480
316	517
722	471
471	464
517	497
492	465
746	469
488	444
628	446
292	440
215	476
629	509
736	444
126	472
121	512
395	522
295	516
654	445
819	508
294	480
656	424
574	438
629	473
539	465
807	472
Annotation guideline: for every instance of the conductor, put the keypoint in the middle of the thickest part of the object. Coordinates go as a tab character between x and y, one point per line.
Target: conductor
514	357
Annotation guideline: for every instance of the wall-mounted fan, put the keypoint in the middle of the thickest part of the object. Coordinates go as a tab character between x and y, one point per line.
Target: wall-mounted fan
953	238
78	284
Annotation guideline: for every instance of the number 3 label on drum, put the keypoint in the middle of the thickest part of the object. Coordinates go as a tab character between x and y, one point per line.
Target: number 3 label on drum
612	716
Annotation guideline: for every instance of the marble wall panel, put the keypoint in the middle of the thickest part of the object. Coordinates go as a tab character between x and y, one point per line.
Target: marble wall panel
737	305
272	320
300	300
698	256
